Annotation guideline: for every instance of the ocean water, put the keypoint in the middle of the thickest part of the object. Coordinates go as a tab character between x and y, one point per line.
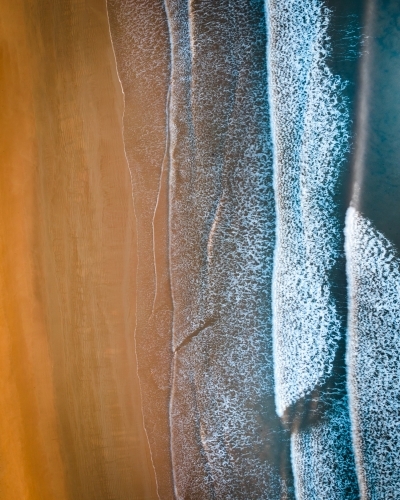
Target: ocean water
374	355
275	357
222	239
322	460
310	129
372	246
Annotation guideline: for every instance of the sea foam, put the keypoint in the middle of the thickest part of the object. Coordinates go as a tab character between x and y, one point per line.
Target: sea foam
322	457
373	269
227	441
310	128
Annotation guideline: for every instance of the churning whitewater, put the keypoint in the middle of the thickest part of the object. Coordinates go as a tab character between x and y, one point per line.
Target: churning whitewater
311	140
310	127
373	267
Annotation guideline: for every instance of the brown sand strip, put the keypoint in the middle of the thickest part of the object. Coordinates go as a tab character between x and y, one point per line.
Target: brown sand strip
70	421
30	462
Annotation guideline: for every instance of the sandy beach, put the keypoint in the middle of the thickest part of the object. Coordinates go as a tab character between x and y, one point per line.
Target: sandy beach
71	425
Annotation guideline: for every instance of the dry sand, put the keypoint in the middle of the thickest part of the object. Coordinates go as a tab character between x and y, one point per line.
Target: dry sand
71	424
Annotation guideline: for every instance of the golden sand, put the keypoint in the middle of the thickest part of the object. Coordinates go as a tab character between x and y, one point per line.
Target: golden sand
71	425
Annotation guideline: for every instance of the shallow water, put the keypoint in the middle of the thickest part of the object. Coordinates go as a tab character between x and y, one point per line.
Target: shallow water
271	117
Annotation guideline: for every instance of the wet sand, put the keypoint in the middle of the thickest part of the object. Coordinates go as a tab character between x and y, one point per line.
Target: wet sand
71	425
140	38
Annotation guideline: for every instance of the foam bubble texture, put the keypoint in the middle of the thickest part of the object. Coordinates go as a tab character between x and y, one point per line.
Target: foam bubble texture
310	132
227	441
374	356
322	458
224	443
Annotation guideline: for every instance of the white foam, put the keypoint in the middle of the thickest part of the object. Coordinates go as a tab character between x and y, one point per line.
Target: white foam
310	132
222	443
322	458
373	268
227	441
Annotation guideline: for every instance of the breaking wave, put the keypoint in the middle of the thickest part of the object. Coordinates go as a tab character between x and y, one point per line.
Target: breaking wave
373	269
310	128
